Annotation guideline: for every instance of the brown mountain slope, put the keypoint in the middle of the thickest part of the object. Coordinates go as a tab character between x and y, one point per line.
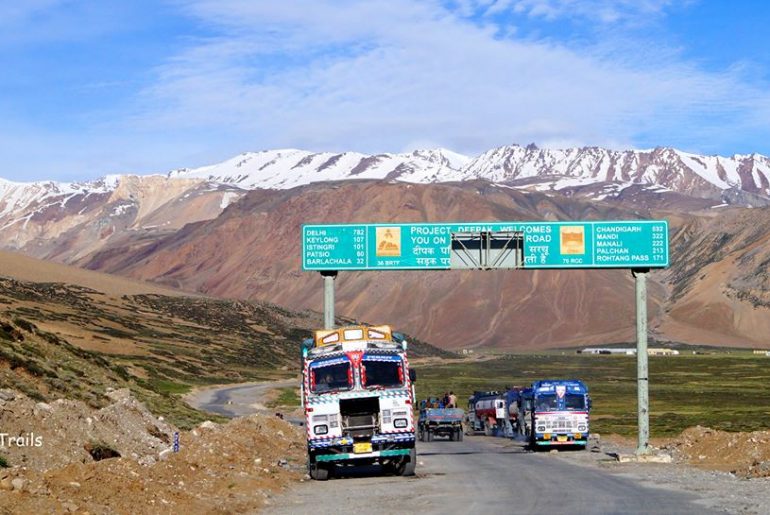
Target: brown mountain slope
252	251
720	284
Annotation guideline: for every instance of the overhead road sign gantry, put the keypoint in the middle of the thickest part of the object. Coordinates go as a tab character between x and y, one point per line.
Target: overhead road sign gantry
445	246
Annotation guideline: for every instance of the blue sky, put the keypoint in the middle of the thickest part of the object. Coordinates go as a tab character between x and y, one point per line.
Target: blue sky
91	88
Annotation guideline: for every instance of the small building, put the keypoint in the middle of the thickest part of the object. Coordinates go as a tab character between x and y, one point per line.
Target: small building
662	352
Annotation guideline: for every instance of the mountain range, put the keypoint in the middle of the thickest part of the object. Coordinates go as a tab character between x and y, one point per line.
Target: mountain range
232	230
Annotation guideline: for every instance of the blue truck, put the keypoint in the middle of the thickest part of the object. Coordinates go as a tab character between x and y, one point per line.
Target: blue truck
558	413
434	421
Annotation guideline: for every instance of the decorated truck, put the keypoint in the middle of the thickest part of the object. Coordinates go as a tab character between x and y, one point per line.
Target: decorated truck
357	394
559	414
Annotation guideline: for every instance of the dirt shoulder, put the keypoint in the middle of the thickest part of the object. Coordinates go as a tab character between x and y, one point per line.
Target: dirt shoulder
723	469
233	467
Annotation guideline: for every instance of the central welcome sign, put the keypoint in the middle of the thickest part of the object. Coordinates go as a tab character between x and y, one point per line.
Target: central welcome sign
428	246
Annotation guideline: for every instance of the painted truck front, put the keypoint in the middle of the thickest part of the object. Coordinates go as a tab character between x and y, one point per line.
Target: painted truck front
560	413
357	394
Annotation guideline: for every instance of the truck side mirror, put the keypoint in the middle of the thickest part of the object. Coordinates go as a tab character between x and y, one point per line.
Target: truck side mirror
412	375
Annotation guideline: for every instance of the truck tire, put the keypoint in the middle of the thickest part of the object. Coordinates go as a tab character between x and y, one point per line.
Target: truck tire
318	471
459	435
407	468
429	436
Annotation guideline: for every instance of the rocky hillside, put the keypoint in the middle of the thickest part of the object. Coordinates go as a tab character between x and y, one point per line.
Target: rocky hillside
59	339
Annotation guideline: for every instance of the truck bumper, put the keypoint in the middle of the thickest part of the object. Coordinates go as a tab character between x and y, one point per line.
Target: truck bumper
380	447
389	453
540	439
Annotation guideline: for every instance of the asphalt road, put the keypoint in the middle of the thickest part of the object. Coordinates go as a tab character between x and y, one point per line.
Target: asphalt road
237	400
486	475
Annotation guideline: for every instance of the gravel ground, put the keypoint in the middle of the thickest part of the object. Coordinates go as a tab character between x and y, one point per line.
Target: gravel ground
722	491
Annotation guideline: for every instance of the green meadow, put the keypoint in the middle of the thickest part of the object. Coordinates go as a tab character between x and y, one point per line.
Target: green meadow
727	391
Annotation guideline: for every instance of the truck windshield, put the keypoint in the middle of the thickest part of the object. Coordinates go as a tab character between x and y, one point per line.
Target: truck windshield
546	402
574	402
335	375
384	373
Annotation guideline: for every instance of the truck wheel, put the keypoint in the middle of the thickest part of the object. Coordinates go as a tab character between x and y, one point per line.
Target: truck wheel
429	436
318	471
459	435
452	436
407	468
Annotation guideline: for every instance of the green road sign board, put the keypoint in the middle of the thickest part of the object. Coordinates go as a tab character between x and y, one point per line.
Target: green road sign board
427	246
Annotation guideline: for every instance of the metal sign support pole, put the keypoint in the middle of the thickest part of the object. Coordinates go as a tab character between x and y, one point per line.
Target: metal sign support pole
329	277
642	370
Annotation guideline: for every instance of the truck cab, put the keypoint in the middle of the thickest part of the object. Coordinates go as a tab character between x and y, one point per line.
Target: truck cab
357	394
560	413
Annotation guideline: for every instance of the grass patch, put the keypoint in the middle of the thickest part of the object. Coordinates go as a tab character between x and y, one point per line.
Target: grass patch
722	391
169	387
287	398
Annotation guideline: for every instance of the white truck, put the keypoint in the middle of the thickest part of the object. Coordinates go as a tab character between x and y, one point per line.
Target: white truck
358	395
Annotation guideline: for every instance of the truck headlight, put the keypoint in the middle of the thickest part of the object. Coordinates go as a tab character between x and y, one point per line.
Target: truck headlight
400	423
321	430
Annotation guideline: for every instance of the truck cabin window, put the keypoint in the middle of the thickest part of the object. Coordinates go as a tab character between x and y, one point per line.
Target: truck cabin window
335	376
549	402
574	402
385	374
546	402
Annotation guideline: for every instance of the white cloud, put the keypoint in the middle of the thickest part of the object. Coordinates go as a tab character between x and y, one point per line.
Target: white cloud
605	11
389	75
377	76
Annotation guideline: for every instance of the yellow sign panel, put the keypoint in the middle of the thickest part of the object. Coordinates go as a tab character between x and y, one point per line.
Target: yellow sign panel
388	241
352	333
362	447
573	239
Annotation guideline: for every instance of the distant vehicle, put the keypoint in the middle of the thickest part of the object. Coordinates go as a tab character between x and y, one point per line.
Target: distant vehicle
482	412
559	414
495	413
434	422
358	393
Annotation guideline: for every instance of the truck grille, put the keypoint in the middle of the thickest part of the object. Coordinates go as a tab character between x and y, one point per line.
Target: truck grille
360	425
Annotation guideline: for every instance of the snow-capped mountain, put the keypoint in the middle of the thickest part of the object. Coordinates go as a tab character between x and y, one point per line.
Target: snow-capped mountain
287	168
661	168
524	167
527	167
33	214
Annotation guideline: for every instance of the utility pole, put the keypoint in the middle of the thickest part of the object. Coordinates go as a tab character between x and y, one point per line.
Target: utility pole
642	368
